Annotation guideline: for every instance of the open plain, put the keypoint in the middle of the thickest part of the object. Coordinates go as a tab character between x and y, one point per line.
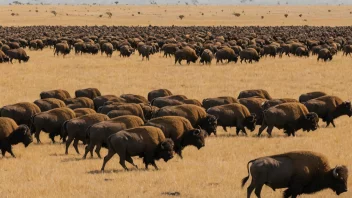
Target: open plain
214	171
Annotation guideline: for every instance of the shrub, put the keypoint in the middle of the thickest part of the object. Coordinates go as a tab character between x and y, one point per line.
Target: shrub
262	17
236	14
54	12
109	14
300	15
100	15
181	16
286	15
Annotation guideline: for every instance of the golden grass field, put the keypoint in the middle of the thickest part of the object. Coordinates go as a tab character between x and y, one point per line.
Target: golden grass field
215	170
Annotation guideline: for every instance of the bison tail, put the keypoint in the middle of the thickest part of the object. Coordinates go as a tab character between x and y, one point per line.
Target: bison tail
88	134
64	131
244	180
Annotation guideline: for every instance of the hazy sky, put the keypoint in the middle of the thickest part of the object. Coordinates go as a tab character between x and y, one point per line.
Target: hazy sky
212	2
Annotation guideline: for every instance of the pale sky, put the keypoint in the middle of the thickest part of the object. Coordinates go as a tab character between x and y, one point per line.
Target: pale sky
210	2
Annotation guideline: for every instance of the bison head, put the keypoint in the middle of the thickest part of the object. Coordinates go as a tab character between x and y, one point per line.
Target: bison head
339	179
209	124
195	137
310	122
344	109
234	59
26	58
165	150
250	122
21	134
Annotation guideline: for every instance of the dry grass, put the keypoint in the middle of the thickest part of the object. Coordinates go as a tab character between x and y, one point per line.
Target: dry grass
214	171
156	15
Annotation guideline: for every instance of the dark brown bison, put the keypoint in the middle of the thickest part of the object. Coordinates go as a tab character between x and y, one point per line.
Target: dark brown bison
80	102
107	48
84	111
133	98
49	103
233	115
180	130
324	54
187	54
289	116
195	114
62	48
88	92
270	103
212	102
249	54
58	94
158	93
18	54
329	108
21	112
261	93
98	134
311	95
206	56
51	122
75	129
169	49
226	53
3	57
12	134
301	172
147	142
254	105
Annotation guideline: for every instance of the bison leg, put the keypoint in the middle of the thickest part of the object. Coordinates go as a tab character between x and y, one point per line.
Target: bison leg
11	60
130	160
258	189
97	150
244	130
154	165
68	142
179	61
333	124
36	135
10	151
269	130
52	137
75	145
262	128
107	158
224	127
3	152
287	193
86	150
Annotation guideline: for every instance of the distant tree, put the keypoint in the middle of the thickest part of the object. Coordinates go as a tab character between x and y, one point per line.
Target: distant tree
116	2
236	14
17	3
300	15
195	2
139	12
100	15
262	17
181	16
329	10
286	15
54	12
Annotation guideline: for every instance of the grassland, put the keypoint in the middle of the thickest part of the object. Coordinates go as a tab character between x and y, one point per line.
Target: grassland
215	170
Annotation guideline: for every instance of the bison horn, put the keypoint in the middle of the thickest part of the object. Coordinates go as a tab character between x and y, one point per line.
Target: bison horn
196	132
335	173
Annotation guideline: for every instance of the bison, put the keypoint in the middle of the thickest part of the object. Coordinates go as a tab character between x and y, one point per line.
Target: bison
249	54
212	102
301	172
158	93
88	92
261	93
187	54
18	54
311	95
147	142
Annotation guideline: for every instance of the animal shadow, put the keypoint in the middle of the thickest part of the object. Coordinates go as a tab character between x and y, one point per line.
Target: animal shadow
171	193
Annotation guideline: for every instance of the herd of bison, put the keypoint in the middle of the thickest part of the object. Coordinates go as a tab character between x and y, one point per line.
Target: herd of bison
162	124
184	43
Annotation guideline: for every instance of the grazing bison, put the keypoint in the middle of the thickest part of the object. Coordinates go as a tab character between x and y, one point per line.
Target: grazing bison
126	50
21	112
212	102
329	108
249	54
289	116
234	115
51	122
98	134
195	114
49	103
123	109
108	48
147	142
11	134
301	172
169	49
58	94
88	92
18	54
311	95
62	48
75	129
187	54
180	130
226	53
83	111
347	50
166	101
158	93
324	54
145	51
206	57
261	93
